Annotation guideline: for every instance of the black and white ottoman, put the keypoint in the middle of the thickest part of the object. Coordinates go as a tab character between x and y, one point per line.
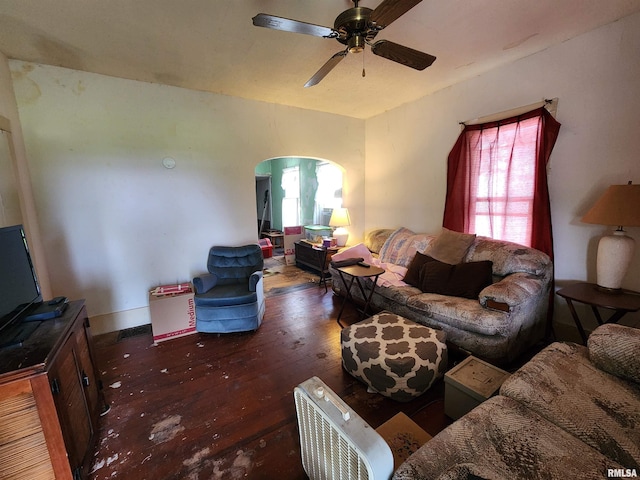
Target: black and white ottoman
396	357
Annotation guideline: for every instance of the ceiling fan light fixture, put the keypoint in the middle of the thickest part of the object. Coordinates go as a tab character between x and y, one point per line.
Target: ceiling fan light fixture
356	44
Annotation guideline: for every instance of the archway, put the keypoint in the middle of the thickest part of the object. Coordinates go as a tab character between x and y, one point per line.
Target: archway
296	191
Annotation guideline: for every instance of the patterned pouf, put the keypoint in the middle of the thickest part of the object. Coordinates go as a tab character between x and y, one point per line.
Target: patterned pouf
396	357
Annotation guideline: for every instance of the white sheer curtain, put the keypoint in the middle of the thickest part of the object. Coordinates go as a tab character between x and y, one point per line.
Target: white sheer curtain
291	201
329	192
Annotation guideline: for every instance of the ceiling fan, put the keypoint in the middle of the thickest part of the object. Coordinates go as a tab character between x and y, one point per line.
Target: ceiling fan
354	28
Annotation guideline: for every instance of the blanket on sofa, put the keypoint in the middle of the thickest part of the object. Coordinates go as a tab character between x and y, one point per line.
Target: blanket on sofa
393	274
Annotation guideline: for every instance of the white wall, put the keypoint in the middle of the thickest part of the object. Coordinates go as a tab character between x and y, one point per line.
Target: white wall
114	221
596	77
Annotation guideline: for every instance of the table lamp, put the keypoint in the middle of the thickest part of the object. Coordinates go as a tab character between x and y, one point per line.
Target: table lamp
340	219
619	206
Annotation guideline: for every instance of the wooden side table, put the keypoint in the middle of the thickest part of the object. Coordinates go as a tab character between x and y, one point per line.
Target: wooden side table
276	237
356	274
590	294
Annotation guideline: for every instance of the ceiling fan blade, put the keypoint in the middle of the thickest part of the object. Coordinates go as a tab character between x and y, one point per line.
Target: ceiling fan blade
326	68
295	26
390	10
401	54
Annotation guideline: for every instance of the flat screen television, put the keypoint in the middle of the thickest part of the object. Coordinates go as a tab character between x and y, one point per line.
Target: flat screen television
19	288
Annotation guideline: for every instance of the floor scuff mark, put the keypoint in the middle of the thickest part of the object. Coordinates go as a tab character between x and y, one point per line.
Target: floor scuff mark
226	468
166	429
197	463
241	467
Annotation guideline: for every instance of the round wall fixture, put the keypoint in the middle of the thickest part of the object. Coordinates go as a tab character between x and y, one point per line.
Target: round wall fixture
168	162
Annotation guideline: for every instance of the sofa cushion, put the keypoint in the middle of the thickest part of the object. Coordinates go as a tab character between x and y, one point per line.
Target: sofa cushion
461	313
462	280
509	257
226	295
402	245
502	439
564	387
413	271
450	247
614	349
392	294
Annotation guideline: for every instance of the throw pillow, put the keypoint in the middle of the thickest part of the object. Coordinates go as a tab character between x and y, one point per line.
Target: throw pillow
402	245
390	248
463	280
412	276
450	247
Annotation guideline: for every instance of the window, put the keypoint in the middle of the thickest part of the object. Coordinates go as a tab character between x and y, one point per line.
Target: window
497	183
291	200
502	191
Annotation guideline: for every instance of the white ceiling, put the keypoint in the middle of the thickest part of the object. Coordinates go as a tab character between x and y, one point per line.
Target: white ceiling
211	45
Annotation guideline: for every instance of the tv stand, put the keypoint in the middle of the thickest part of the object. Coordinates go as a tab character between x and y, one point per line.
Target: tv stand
50	400
17	334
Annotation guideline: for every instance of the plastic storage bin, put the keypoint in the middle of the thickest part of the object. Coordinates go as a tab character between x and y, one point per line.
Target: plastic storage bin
316	233
267	248
470	383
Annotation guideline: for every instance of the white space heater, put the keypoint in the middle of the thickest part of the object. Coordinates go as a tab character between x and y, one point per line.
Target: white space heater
335	442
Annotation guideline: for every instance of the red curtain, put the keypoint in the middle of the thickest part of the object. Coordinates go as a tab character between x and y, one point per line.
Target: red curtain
497	180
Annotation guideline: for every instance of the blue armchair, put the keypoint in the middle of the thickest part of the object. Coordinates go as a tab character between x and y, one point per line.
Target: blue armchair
230	298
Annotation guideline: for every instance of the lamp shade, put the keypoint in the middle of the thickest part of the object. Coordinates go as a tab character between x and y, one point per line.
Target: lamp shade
340	218
619	206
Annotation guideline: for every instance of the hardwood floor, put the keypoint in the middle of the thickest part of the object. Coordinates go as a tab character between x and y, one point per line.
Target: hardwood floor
221	406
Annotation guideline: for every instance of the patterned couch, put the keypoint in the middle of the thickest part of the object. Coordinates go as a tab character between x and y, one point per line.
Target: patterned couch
502	321
570	412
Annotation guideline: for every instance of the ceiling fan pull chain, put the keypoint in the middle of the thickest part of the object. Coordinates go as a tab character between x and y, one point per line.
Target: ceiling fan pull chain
363	72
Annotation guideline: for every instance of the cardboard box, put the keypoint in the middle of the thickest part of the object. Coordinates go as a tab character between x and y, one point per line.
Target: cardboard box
291	236
470	383
172	315
403	436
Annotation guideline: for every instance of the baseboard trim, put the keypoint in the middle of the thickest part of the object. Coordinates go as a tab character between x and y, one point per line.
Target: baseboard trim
111	322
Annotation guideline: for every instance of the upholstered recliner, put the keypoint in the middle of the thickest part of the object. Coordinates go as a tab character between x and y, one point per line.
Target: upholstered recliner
230	298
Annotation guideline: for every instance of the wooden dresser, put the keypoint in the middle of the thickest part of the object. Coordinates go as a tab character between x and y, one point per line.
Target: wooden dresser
314	256
50	400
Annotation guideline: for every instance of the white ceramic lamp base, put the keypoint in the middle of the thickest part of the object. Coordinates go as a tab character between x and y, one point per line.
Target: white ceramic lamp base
341	235
614	256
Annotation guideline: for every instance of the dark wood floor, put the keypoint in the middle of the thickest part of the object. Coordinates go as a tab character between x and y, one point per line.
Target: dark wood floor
221	406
